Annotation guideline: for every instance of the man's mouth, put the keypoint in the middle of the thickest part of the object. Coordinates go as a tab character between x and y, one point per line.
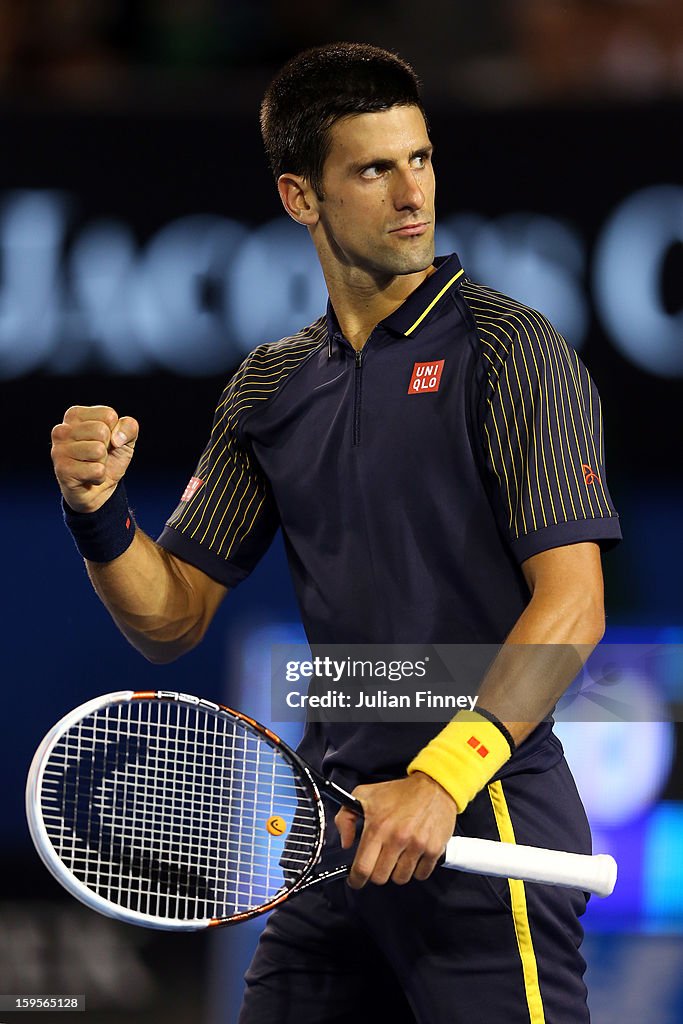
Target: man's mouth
411	229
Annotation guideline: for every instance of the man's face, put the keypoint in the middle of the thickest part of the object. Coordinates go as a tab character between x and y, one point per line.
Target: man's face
378	184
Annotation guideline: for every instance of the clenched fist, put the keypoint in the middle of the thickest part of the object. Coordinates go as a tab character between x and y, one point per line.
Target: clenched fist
91	450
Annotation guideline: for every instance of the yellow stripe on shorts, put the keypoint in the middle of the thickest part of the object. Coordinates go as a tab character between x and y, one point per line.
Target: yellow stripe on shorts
520	915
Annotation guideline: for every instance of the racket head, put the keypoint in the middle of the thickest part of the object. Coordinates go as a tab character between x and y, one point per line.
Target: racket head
173	812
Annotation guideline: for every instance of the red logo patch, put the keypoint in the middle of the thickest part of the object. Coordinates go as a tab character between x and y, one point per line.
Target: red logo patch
193	486
426	377
589	476
478	746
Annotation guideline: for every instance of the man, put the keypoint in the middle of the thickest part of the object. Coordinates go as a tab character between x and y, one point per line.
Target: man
433	453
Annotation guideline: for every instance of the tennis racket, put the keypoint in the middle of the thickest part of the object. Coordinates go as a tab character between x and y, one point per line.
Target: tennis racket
170	811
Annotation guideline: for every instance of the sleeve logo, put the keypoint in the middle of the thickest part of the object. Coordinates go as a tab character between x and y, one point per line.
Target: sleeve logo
589	476
193	486
426	377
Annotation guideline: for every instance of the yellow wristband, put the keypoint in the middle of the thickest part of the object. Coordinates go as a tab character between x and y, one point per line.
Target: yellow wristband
463	757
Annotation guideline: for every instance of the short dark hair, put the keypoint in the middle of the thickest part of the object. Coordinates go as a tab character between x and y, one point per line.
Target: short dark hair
317	88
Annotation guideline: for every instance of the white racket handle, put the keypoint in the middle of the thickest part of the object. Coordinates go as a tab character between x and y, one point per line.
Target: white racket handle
596	874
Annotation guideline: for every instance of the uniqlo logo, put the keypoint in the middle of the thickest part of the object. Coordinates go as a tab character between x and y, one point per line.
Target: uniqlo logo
193	486
426	377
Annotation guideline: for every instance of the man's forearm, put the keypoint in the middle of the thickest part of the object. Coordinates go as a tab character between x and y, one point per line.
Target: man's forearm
156	601
543	653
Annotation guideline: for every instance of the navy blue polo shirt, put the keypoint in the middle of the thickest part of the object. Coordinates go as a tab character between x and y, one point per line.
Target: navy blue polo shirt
410	479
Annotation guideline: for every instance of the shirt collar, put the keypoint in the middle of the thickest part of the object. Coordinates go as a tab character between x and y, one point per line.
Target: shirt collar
412	315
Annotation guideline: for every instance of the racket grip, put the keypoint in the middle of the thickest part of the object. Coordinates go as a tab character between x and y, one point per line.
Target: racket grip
596	874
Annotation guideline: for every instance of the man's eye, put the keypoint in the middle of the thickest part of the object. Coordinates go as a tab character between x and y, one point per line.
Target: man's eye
420	160
374	171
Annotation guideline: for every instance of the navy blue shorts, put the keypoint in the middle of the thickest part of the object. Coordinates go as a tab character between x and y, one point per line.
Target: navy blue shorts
455	949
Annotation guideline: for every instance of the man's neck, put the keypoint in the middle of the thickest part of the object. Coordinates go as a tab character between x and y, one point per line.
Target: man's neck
361	304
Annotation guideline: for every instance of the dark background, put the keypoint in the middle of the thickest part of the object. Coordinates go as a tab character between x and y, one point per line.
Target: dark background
548	119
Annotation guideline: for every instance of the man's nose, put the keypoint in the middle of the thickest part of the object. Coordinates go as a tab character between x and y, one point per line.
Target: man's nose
408	194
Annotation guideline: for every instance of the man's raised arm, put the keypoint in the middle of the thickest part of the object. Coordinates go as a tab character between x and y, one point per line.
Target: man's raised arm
161	604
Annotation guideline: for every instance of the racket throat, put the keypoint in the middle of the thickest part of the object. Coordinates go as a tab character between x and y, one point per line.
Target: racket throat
339	795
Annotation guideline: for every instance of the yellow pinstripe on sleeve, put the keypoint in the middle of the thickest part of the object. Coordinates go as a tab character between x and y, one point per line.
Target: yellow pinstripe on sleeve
228	515
542	428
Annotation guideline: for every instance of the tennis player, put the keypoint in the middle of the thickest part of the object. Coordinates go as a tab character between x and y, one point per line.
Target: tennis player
433	453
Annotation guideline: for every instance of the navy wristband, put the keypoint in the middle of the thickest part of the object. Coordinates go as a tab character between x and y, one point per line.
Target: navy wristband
103	535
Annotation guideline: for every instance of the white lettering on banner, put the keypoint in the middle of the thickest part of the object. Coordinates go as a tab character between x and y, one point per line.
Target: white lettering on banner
105	273
205	289
538	260
32	311
627	281
277	286
182	308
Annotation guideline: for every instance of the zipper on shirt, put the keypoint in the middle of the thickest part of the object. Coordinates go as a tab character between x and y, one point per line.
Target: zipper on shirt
356	398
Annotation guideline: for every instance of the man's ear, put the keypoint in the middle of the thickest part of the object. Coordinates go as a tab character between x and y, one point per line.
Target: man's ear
298	199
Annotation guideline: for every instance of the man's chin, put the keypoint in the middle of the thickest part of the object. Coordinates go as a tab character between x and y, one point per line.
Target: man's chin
411	262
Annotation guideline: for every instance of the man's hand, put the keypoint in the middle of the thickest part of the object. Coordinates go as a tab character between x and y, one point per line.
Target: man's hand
91	450
406	825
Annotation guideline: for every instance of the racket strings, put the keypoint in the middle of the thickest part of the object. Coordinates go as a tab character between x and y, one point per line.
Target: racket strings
175	812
